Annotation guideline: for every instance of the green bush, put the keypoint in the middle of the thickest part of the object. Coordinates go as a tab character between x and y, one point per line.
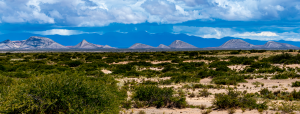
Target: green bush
228	80
280	76
260	65
74	63
62	94
159	97
296	84
235	99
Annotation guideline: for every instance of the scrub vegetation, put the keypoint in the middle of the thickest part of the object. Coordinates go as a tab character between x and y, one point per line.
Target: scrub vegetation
111	83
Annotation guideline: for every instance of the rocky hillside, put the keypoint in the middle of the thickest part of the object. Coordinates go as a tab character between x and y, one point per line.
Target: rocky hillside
36	42
181	44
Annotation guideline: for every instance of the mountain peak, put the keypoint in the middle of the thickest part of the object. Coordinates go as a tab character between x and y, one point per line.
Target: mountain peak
7	44
181	44
36	42
236	43
85	45
140	46
277	45
163	46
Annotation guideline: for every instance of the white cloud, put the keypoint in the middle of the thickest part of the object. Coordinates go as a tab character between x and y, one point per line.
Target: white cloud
104	12
63	32
256	34
279	8
204	32
55	14
211	32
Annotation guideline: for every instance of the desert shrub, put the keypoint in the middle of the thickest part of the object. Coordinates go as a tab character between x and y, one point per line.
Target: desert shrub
168	68
260	65
42	56
215	64
235	99
6	81
184	78
142	112
223	68
296	84
62	94
250	69
204	93
295	94
126	104
132	73
177	60
203	74
122	69
20	75
280	76
159	97
92	58
265	92
235	52
241	60
228	80
288	107
2	68
74	63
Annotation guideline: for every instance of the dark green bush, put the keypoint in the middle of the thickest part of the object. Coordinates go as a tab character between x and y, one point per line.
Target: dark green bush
280	76
222	68
260	65
296	84
74	63
228	80
62	94
159	97
235	99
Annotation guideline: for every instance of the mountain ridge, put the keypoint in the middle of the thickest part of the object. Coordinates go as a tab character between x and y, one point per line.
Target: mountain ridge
36	42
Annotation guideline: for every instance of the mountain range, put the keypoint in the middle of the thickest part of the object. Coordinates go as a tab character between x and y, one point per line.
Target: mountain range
36	43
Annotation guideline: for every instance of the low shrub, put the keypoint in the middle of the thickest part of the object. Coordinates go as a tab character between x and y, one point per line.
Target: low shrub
62	94
235	99
296	84
158	97
74	63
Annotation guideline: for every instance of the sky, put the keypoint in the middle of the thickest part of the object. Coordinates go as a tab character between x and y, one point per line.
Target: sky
121	23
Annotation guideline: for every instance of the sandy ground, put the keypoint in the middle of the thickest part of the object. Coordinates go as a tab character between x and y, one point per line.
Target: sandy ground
153	110
106	71
238	67
205	61
286	66
282	85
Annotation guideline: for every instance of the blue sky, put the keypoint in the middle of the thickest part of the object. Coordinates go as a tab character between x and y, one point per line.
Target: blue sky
121	23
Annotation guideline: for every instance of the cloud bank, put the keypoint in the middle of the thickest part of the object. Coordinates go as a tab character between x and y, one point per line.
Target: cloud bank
105	12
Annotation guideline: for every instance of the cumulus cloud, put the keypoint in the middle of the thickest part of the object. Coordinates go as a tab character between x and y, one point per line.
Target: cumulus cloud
215	32
63	32
204	32
256	34
104	12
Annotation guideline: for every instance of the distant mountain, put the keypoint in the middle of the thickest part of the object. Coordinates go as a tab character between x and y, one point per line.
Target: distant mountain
162	46
85	45
18	43
277	45
105	46
240	44
36	42
236	43
140	46
181	44
7	44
